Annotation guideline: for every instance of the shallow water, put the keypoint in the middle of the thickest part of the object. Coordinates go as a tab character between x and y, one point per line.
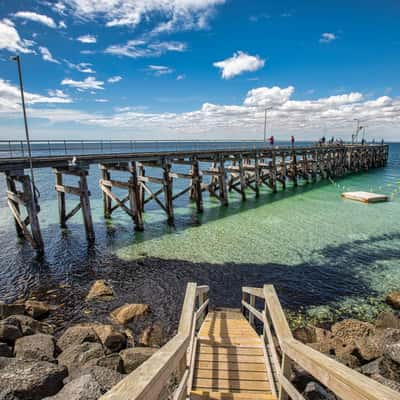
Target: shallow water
328	257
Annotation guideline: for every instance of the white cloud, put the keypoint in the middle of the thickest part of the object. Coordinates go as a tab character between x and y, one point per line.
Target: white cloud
81	67
10	97
174	14
62	25
57	93
306	119
180	77
89	83
32	16
237	64
114	79
268	97
10	39
327	37
87	39
158	70
47	56
101	100
141	48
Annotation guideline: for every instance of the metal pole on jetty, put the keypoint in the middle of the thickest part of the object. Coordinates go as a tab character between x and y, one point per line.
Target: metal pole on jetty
30	191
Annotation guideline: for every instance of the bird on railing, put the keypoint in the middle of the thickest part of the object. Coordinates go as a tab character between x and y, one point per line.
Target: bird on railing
73	162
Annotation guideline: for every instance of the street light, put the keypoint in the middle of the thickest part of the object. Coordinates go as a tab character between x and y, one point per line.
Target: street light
354	137
21	85
265	123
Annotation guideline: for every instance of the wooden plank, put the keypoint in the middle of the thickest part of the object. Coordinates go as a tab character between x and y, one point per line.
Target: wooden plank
68	189
237	358
206	395
229	366
230	375
259	292
229	384
230	350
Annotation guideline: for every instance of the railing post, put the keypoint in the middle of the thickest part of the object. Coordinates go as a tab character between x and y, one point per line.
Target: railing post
252	303
286	371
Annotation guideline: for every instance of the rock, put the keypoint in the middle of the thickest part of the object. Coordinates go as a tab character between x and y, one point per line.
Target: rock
110	337
83	388
305	334
105	377
31	380
393	299
367	349
112	361
4	361
387	319
329	346
30	326
387	382
372	368
75	357
314	391
390	369
100	290
349	360
386	337
351	329
77	334
135	356
127	312
5	350
392	352
38	347
153	336
9	333
37	309
10	309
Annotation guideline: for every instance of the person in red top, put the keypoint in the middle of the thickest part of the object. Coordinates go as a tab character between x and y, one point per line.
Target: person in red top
271	140
292	140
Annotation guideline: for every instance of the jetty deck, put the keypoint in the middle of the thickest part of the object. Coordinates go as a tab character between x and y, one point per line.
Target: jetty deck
225	355
218	172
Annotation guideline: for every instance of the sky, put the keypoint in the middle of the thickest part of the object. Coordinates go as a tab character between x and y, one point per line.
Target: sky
200	69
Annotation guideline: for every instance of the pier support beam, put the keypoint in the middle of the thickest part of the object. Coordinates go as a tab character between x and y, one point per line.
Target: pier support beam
81	191
25	199
131	186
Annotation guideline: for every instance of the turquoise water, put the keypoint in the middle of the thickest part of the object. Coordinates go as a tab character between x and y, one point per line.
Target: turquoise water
328	255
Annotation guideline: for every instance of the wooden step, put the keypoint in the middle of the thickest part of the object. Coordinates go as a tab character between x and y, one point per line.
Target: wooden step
231	385
204	395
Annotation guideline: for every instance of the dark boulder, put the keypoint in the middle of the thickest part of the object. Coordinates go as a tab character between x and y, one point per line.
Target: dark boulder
5	350
38	347
105	377
76	335
9	333
135	356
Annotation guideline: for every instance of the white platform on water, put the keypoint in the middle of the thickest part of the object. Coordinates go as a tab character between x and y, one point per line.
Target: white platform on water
365	197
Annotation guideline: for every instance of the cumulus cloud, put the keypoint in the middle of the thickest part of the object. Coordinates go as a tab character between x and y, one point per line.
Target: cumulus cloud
307	119
139	48
87	39
174	14
101	100
10	39
114	79
81	67
327	37
90	83
10	97
237	64
47	56
32	16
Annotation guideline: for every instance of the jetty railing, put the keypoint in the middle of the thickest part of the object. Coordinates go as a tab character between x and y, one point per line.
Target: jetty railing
169	371
284	351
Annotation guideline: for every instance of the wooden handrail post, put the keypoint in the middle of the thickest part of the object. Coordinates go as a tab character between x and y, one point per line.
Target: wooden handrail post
286	371
252	303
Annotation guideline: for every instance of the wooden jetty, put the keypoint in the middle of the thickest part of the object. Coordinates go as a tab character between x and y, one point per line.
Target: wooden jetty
365	197
224	355
217	172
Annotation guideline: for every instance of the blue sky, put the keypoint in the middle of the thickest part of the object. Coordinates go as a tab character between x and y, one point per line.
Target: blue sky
146	69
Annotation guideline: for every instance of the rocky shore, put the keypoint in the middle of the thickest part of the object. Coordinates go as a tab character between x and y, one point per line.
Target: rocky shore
370	348
83	361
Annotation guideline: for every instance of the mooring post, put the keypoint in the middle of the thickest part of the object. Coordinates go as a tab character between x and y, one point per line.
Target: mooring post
14	199
196	190
256	175
168	191
32	209
141	173
135	198
222	181
61	200
242	178
105	175
85	205
294	168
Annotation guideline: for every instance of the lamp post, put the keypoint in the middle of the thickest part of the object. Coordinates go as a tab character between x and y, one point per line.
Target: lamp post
355	135
21	85
265	123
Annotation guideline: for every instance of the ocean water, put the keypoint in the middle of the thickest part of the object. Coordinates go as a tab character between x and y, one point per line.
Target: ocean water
328	257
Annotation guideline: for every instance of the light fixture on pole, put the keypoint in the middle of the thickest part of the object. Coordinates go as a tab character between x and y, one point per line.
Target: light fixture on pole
21	85
265	123
354	137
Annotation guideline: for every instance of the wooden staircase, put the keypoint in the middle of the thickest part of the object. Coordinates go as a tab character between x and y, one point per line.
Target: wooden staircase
229	361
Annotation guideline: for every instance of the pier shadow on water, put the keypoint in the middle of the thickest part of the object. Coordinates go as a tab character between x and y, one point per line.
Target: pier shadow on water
65	275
